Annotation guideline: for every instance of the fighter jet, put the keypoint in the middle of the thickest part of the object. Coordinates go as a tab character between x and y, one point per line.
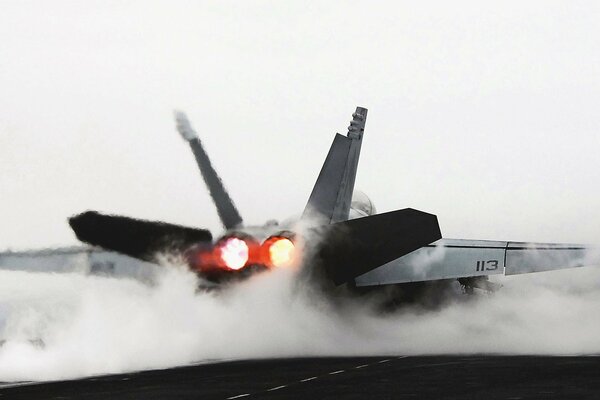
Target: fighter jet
339	233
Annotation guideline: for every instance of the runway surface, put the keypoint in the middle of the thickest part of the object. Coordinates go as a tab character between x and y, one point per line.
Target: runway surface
431	377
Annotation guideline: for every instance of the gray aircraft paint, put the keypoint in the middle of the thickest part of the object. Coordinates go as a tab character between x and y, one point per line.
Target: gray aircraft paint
462	258
331	196
228	213
81	260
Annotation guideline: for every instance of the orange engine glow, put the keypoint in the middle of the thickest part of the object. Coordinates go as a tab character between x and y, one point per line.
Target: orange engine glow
234	253
280	251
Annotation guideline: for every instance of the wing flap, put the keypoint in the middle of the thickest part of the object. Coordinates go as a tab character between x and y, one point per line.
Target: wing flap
523	258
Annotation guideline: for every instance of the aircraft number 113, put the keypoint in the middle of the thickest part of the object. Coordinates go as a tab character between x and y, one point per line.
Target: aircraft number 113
490	265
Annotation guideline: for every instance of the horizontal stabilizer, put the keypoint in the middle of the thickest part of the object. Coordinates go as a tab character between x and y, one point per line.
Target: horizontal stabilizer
360	245
134	237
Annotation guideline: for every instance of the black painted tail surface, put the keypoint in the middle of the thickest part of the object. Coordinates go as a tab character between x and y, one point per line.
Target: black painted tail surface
358	246
134	237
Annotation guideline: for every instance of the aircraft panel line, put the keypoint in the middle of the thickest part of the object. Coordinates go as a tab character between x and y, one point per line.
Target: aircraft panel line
453	246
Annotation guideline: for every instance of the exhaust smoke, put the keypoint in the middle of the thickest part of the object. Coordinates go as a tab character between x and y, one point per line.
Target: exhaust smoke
57	326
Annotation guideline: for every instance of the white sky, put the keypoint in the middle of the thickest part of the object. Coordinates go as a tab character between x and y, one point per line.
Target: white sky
486	115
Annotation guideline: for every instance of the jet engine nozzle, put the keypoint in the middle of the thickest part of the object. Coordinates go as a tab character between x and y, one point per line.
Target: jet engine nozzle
234	252
279	250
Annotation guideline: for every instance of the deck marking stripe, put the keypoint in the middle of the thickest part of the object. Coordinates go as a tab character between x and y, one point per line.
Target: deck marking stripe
238	396
312	378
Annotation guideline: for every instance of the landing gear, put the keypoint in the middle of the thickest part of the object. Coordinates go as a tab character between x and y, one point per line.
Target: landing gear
469	284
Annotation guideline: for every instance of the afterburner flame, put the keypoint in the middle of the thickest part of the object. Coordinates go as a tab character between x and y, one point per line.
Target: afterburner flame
234	252
281	252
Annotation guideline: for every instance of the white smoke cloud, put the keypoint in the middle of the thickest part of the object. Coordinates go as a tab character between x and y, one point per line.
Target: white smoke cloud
93	325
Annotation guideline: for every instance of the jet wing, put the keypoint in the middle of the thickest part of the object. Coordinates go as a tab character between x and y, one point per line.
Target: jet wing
523	258
460	258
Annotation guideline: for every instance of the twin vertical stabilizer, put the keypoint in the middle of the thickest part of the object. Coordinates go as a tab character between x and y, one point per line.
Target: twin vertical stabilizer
229	215
331	196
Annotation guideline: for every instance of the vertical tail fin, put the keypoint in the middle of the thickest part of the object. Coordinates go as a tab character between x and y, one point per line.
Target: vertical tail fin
229	215
332	194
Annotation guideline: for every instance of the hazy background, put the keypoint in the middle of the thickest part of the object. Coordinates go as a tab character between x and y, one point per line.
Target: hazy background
487	115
